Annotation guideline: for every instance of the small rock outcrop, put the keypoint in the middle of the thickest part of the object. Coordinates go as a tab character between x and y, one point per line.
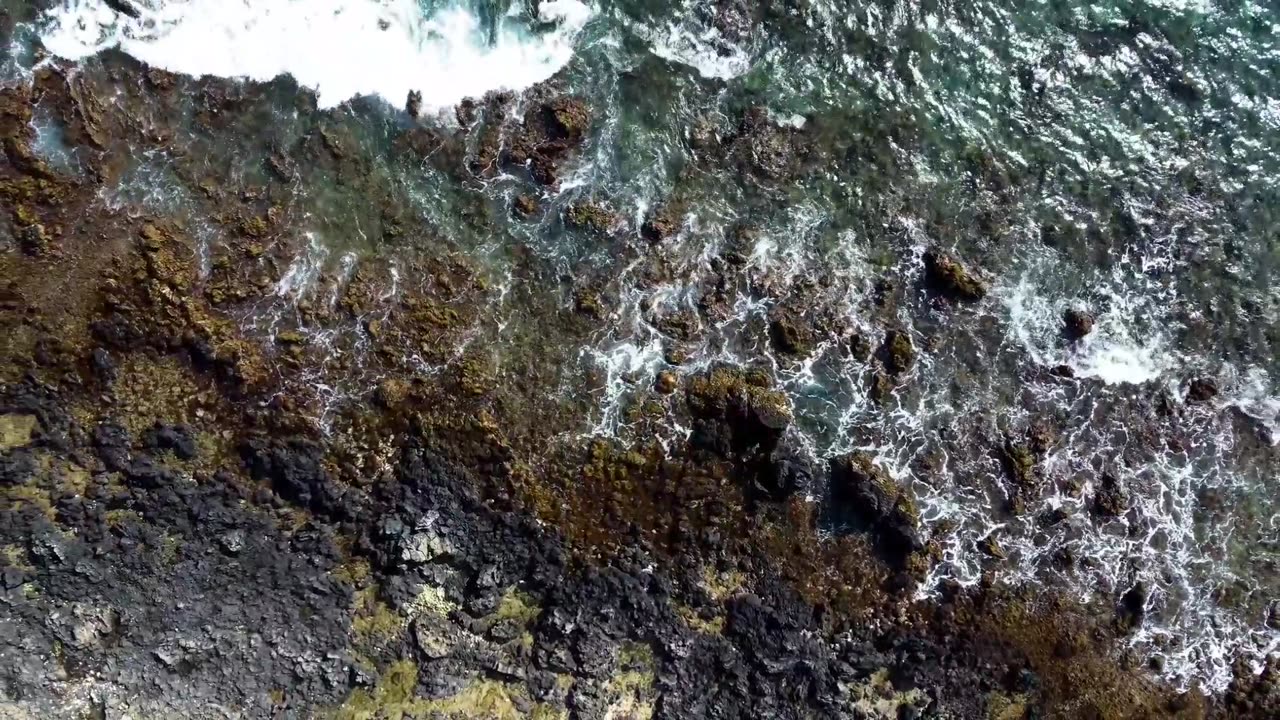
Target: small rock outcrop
866	491
1076	324
897	353
947	276
413	105
1110	500
791	335
1202	390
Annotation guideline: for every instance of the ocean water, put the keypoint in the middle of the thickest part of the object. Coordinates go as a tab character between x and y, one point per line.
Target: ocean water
1120	158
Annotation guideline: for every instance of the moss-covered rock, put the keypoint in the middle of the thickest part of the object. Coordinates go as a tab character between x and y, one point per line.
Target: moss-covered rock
1019	463
896	352
16	430
949	277
592	216
865	490
525	206
666	383
791	335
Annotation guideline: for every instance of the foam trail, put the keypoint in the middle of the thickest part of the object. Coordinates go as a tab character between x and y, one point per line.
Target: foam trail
340	48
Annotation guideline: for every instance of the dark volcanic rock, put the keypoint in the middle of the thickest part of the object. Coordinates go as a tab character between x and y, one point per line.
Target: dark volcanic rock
661	224
947	276
1202	390
525	206
180	439
1076	324
897	353
859	486
1110	500
1132	608
551	131
296	473
413	105
766	151
124	7
791	335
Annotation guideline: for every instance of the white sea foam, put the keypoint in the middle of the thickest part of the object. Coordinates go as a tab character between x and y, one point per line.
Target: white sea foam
340	48
690	41
1116	352
707	52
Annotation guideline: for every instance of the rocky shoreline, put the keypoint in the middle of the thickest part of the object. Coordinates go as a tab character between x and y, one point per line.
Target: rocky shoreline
194	527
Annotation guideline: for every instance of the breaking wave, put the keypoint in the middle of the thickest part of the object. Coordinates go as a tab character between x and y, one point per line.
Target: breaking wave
340	48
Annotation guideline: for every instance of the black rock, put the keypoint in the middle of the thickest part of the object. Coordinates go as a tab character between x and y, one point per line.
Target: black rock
1076	324
1202	390
124	7
180	439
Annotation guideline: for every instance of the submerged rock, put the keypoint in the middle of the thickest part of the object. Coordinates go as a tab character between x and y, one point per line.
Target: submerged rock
413	105
765	150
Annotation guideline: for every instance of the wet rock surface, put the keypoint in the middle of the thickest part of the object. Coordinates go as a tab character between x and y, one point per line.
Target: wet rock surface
190	527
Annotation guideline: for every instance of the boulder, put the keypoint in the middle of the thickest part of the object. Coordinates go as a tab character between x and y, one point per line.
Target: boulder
1202	390
791	335
947	276
897	353
1076	324
865	490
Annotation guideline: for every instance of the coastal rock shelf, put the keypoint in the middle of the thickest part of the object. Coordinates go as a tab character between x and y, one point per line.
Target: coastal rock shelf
715	360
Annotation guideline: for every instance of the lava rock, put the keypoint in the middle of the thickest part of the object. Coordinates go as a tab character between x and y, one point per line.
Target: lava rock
1202	390
866	490
790	335
1131	610
1110	500
525	206
296	473
1076	324
124	7
179	439
897	353
660	225
949	277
